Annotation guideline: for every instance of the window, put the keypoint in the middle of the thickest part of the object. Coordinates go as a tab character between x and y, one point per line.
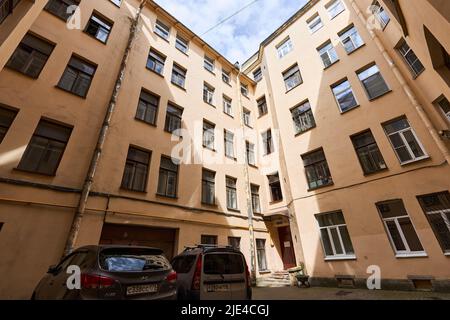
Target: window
334	8
226	76
380	14
444	105
399	228
268	142
209	240
345	98
368	152
404	141
147	109
256	203
292	78
251	159
173	118
373	82
335	238
229	144
30	56
303	118
261	254
410	58
208	94
257	75
328	54
231	193
183	264
227	106
156	61
440	58
208	63
181	44
168	177
6	8
77	77
208	135
262	106
314	23
208	187
284	47
178	76
117	2
437	210
317	171
234	242
351	40
46	148
60	8
247	117
244	90
162	30
136	170
99	28
275	187
7	117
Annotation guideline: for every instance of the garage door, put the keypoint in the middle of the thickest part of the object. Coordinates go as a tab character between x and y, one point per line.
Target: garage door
140	236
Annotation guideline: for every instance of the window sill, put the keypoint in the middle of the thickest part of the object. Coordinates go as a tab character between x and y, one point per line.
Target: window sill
74	94
264	271
153	71
262	115
234	210
275	202
212	72
209	104
166	197
160	36
178	86
230	115
341	258
447	254
145	122
143	192
227	83
357	49
98	40
415	76
291	89
254	166
23	73
348	110
302	132
231	158
411	255
210	149
381	95
425	158
368	174
34	172
167	131
212	205
185	53
245	96
329	66
323	186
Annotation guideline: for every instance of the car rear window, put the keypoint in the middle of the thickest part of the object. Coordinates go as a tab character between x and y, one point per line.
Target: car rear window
132	260
223	263
183	264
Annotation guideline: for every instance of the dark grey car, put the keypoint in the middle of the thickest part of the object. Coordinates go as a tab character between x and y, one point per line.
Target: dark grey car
111	272
212	273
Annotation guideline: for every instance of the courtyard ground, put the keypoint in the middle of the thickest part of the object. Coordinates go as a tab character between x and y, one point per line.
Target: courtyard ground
294	293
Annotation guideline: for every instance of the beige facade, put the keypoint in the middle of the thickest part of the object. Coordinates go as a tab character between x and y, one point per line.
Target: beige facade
36	210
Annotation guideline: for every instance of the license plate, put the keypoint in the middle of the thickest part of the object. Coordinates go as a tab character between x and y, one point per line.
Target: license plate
218	288
148	288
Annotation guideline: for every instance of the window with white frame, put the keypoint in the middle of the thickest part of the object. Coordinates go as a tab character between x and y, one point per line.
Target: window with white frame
247	117
351	40
410	58
156	61
257	75
231	193
208	135
284	47
344	95
256	203
334	235
373	82
251	158
399	228
328	54
208	63
244	90
404	141
380	14
229	144
334	8
182	44
178	75
292	77
227	106
437	209
444	105
116	2
226	76
314	23
162	30
208	94
303	117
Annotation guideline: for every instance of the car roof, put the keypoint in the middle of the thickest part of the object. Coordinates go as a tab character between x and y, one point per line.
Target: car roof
208	249
111	246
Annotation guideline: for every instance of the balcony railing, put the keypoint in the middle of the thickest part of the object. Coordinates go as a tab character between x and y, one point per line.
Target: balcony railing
6	8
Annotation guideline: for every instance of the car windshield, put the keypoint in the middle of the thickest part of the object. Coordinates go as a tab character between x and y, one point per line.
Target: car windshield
223	263
131	260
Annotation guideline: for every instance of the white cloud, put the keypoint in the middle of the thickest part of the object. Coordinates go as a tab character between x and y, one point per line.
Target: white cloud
238	38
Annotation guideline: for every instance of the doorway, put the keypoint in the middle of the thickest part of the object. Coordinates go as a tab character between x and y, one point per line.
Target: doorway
287	247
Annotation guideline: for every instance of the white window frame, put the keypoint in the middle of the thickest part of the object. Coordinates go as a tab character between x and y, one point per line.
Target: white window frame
405	53
335	256
247	117
284	47
162	30
332	6
327	49
182	44
226	76
244	90
227	106
209	64
348	35
209	91
439	105
376	10
315	23
405	142
337	93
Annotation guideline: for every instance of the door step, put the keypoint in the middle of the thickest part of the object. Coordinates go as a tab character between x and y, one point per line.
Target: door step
273	280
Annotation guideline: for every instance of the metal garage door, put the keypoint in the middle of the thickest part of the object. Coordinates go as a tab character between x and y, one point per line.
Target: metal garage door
140	236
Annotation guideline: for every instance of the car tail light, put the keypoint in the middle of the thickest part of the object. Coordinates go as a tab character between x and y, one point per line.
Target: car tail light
197	274
172	277
93	281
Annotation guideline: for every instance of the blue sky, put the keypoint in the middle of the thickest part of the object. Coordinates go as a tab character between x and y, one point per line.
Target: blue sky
238	38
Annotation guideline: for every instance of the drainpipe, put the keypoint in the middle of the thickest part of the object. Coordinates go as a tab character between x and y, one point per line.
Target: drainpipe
247	185
76	223
405	86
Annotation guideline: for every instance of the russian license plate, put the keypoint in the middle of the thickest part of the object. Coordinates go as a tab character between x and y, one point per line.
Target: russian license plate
218	288
142	289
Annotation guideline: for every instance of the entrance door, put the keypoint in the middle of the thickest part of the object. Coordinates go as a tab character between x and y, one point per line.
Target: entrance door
160	238
287	247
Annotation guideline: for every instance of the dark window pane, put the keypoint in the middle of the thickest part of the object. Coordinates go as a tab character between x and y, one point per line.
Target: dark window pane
395	235
326	242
